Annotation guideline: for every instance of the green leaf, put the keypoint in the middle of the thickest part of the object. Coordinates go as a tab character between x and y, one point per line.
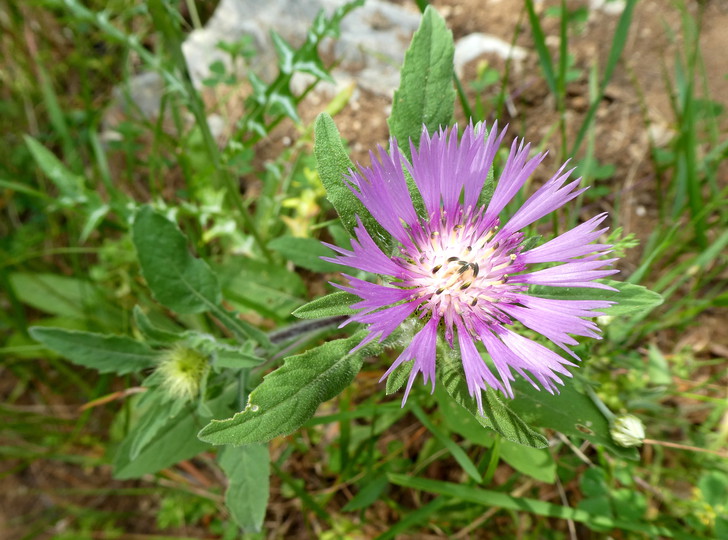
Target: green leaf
535	462
328	306
160	408
304	252
64	296
630	298
333	164
455	451
70	185
489	498
289	396
173	442
248	471
107	354
398	377
151	332
570	412
497	415
262	288
425	95
368	495
177	279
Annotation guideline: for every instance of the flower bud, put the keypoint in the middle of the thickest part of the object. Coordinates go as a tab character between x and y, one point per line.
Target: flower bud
182	369
627	430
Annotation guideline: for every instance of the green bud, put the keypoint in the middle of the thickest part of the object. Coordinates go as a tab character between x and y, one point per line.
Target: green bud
627	430
182	369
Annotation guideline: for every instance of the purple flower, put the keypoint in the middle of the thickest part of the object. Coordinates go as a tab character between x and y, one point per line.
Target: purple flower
456	268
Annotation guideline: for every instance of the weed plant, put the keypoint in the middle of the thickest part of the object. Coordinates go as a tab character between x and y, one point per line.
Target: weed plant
173	362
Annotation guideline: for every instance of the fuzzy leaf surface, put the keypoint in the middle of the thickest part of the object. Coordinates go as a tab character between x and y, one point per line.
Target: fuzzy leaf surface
497	415
106	354
328	306
290	395
178	280
248	471
426	95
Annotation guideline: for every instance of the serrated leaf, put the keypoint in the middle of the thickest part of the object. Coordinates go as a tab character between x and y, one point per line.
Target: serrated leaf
304	252
248	471
425	95
333	304
178	280
289	396
106	354
630	298
333	164
570	412
497	415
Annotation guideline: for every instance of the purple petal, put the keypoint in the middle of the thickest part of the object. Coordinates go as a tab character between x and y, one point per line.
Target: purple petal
365	255
573	243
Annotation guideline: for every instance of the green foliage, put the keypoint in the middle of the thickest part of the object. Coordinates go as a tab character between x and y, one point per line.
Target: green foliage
106	354
333	304
177	279
496	414
247	469
290	395
425	96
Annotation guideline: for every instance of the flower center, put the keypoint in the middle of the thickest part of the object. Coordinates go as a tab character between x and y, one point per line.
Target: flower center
464	268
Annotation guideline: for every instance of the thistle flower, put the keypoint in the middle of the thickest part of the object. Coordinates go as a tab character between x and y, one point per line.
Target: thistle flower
462	273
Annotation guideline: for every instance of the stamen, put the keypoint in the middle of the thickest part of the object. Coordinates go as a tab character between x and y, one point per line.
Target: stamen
466	285
452	259
476	269
436	269
475	301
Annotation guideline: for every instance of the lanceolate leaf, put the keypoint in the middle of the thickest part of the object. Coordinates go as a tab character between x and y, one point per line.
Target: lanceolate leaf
177	279
248	470
328	306
426	95
290	395
630	298
497	415
333	165
107	354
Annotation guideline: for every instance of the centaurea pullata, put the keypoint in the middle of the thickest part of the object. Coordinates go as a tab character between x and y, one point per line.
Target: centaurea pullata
459	271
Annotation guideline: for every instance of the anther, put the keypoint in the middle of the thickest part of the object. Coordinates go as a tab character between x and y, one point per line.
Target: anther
439	291
463	269
469	249
452	259
505	277
476	269
436	269
513	256
475	301
465	285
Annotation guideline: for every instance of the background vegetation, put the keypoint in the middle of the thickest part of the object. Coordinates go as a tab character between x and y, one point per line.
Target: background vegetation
79	158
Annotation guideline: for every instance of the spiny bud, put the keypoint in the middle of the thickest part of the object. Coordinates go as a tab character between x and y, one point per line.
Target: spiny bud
182	369
627	430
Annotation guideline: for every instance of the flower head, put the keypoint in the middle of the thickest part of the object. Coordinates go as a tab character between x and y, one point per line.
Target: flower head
182	370
460	271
